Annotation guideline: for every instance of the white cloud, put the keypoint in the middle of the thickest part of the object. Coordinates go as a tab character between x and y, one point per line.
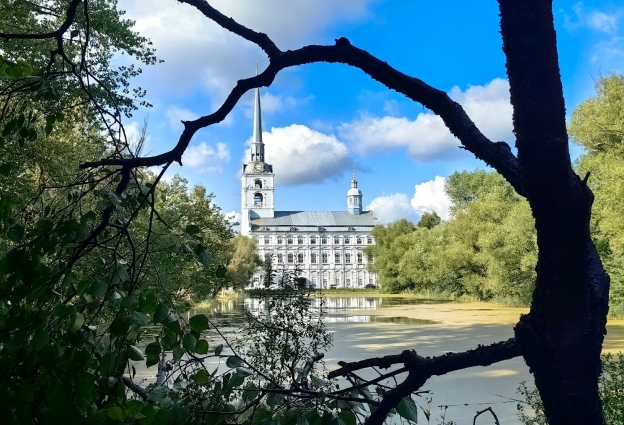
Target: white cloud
301	155
206	158
176	115
391	208
607	22
426	137
197	52
430	196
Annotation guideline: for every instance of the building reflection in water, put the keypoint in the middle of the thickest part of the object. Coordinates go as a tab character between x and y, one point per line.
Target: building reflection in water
333	307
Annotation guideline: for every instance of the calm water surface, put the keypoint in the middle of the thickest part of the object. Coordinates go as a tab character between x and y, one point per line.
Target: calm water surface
359	333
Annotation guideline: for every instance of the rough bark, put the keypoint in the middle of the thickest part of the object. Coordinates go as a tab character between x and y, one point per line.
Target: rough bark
561	338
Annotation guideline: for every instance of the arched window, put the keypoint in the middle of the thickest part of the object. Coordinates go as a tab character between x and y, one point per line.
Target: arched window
258	199
258	184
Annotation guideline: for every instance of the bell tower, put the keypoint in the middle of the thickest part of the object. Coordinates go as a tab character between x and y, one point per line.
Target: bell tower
257	179
354	197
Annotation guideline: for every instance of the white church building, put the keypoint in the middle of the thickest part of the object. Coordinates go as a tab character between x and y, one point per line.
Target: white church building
326	246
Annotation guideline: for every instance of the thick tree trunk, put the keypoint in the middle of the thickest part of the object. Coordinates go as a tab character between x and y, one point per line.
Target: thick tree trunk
561	338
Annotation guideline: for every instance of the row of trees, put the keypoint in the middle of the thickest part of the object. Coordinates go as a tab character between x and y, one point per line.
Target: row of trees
488	247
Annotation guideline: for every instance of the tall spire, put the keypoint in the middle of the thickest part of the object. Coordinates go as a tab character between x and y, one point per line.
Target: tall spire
257	147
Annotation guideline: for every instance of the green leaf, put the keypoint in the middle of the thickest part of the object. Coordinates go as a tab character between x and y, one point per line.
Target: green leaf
167	343
233	361
178	352
152	351
50	119
16	233
20	120
199	322
149	411
158	394
133	407
192	229
24	132
77	322
201	347
189	342
115	413
147	303
135	354
98	288
201	377
161	313
60	117
163	417
347	417
407	409
48	129
5	169
218	349
40	339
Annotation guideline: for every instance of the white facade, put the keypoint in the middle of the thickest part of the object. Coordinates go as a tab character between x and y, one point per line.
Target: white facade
326	246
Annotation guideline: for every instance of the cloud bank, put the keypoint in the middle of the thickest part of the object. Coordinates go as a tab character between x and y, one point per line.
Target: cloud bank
428	196
426	138
301	155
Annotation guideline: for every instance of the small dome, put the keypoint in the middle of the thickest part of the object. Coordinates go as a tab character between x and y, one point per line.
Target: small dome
354	191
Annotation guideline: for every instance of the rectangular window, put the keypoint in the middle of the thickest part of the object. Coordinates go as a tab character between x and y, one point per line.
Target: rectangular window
337	281
267	241
347	258
337	258
324	258
300	241
280	241
360	281
358	241
347	241
300	258
289	241
313	241
369	241
280	258
336	241
370	280
348	282
291	258
313	258
359	258
325	282
324	241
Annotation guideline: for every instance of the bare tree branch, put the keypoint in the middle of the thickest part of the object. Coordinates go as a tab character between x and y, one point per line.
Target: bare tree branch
498	154
422	368
261	39
71	15
474	421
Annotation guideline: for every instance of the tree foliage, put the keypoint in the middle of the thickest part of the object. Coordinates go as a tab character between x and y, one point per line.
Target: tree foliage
486	249
598	126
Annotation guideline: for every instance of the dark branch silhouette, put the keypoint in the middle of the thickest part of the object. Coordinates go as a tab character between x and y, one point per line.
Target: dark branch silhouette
496	154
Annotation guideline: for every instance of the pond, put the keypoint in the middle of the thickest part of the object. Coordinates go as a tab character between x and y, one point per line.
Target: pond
376	326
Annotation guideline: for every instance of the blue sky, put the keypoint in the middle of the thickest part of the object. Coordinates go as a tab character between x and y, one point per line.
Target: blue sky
320	120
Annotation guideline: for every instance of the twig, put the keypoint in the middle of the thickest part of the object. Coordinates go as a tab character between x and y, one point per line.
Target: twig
474	421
